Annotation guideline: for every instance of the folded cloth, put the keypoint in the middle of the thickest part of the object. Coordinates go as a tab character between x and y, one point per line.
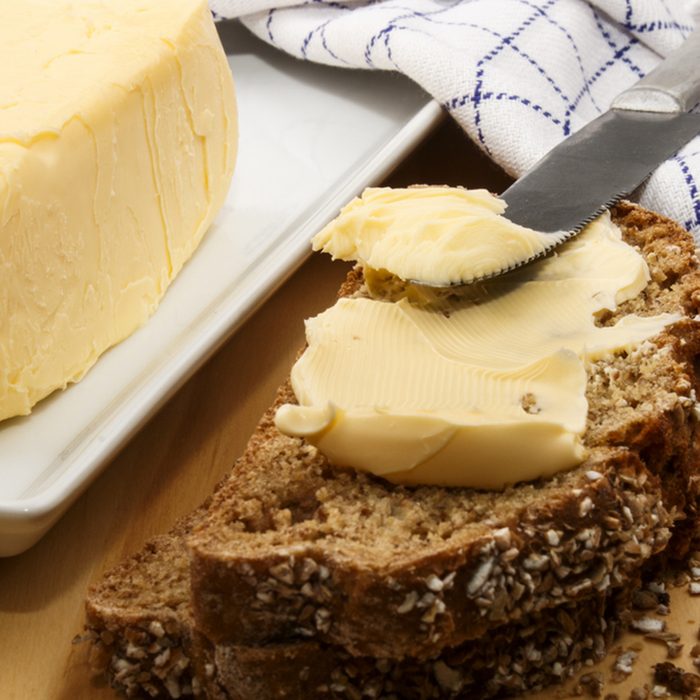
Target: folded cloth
517	75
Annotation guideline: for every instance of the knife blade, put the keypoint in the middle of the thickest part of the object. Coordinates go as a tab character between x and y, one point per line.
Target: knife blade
609	157
591	170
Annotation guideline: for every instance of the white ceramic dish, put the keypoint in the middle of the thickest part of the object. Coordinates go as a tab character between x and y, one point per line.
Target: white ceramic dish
311	138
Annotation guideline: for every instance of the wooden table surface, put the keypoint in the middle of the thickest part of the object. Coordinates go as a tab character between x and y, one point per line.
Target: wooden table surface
172	464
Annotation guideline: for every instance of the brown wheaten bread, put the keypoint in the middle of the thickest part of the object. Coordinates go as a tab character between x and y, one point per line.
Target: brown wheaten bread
512	659
294	560
293	547
143	640
140	626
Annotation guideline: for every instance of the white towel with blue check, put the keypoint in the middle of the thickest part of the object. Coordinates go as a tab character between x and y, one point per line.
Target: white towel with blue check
517	75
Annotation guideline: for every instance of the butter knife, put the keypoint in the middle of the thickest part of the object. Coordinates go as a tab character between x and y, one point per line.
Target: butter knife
609	157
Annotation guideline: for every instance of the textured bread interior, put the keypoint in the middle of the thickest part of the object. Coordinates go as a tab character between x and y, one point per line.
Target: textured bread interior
155	579
303	498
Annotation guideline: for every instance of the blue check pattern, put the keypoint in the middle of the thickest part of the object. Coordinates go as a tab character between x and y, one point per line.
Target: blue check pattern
518	75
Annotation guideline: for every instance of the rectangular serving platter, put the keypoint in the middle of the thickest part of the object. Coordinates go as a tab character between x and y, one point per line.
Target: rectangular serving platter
311	137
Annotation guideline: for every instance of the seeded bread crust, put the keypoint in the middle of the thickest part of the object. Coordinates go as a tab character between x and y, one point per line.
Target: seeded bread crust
294	548
512	659
145	644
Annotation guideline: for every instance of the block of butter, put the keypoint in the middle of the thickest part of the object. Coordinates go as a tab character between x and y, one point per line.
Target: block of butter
117	144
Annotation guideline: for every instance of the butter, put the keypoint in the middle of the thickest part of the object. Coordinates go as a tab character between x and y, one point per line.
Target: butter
481	393
438	236
117	144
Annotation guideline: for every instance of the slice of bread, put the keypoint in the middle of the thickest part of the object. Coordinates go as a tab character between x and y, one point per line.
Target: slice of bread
528	655
143	640
140	624
293	547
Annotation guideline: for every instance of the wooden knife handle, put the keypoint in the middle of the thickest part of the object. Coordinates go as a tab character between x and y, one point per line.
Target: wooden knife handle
673	86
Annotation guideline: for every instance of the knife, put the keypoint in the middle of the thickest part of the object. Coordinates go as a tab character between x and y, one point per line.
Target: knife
609	157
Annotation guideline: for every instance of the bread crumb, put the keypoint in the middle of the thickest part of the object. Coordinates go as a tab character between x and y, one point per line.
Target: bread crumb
670	639
676	679
644	600
639	694
647	625
622	667
591	684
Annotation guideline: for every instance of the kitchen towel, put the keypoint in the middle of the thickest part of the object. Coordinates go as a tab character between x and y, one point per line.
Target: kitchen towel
517	75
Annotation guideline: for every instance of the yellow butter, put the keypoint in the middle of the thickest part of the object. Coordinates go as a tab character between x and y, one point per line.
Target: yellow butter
480	393
436	235
117	143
